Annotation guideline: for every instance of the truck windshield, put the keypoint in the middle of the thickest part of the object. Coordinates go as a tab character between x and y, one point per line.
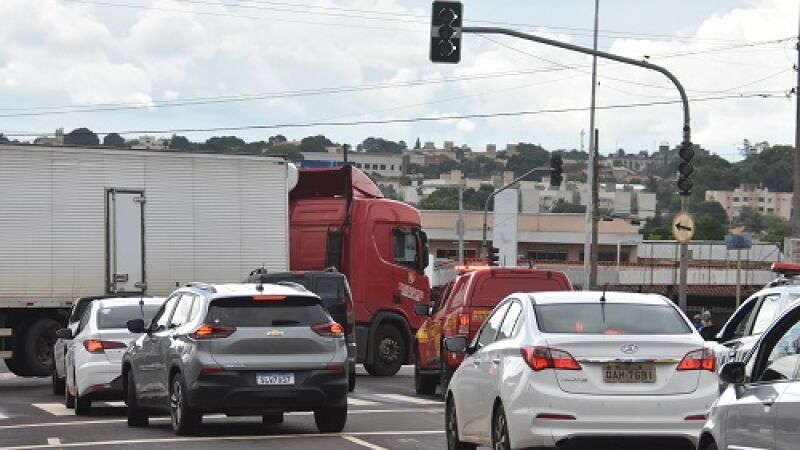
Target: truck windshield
611	318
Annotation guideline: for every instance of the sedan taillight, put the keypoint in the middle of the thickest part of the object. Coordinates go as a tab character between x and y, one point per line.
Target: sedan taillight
209	331
541	358
701	359
331	329
98	346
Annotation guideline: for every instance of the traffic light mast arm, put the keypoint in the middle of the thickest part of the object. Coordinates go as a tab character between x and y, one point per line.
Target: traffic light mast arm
687	131
497	191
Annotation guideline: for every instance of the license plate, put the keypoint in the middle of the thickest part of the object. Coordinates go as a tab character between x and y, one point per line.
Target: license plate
629	373
274	378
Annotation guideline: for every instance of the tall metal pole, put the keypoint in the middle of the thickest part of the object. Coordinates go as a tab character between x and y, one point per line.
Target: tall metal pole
595	213
460	223
738	277
684	270
796	177
589	277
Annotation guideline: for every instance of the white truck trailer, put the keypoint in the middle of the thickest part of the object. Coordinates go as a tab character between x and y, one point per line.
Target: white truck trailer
78	222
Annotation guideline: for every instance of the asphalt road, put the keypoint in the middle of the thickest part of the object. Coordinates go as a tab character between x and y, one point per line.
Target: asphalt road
384	414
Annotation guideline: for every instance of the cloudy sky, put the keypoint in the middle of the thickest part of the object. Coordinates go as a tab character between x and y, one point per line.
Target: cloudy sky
132	66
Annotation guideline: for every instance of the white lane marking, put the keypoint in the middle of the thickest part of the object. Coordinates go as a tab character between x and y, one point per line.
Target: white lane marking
225	438
409	399
3	416
7	376
56	409
215	416
54	441
363	443
360	402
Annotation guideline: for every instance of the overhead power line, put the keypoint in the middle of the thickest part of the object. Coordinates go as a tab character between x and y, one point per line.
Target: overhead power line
385	16
417	119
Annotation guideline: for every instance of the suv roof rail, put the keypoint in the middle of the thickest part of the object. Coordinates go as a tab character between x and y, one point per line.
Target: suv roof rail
201	285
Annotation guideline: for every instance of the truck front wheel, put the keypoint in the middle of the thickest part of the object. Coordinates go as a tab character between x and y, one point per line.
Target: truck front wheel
391	351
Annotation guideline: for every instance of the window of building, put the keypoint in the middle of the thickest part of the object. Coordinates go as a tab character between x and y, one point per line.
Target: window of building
452	253
770	209
383	166
544	255
761	208
736	199
391	167
358	165
761	199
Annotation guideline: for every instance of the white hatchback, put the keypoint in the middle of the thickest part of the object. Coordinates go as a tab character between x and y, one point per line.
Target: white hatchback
94	356
560	368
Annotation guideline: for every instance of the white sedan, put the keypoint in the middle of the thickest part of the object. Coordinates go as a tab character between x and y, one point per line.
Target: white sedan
557	368
94	357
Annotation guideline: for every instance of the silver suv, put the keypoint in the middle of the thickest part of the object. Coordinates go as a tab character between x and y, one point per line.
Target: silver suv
237	349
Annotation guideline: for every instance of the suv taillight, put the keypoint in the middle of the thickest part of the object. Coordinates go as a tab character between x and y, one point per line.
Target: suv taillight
541	358
463	323
701	359
209	331
331	329
97	346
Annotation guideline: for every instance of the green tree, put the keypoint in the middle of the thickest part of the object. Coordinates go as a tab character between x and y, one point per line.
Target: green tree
113	140
276	140
291	152
380	145
83	137
223	144
751	220
315	144
180	143
480	167
657	228
3	139
777	229
528	156
443	198
563	206
390	192
710	221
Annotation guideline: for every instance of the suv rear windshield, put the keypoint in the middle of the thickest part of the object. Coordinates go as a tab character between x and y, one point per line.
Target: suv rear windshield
110	317
611	318
245	312
491	290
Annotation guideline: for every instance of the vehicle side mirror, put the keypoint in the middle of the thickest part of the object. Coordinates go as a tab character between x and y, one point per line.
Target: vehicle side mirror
64	333
135	326
423	309
456	344
733	372
709	333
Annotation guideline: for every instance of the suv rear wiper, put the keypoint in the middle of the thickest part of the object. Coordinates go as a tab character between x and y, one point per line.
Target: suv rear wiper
285	322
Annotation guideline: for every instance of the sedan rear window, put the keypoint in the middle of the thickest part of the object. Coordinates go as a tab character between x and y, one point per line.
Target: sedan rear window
246	312
111	317
610	318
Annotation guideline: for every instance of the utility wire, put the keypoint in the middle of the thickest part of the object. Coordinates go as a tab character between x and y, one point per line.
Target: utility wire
420	119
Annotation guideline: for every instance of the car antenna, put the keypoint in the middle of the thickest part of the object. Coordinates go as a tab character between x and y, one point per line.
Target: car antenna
260	285
141	303
603	303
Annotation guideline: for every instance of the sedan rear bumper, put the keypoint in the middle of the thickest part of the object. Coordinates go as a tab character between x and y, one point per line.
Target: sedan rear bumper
236	393
550	417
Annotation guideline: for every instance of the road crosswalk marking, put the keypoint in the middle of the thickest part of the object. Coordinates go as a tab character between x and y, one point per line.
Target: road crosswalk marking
360	402
3	416
409	399
56	409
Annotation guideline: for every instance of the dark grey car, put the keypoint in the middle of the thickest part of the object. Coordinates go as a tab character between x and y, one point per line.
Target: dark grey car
239	349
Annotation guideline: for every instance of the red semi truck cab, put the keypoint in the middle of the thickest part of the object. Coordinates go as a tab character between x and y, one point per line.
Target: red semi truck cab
339	218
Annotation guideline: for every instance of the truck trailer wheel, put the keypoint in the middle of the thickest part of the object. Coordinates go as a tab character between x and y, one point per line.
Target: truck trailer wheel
390	352
17	366
36	349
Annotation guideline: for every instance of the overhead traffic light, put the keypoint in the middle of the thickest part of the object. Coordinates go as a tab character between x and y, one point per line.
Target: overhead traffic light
493	256
685	169
556	170
446	32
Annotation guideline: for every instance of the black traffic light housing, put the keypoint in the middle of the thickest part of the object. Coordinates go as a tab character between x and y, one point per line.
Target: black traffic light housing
556	170
685	169
446	32
493	256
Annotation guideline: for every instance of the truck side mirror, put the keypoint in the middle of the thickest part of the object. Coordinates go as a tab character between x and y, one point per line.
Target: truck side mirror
64	333
456	344
135	326
423	309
